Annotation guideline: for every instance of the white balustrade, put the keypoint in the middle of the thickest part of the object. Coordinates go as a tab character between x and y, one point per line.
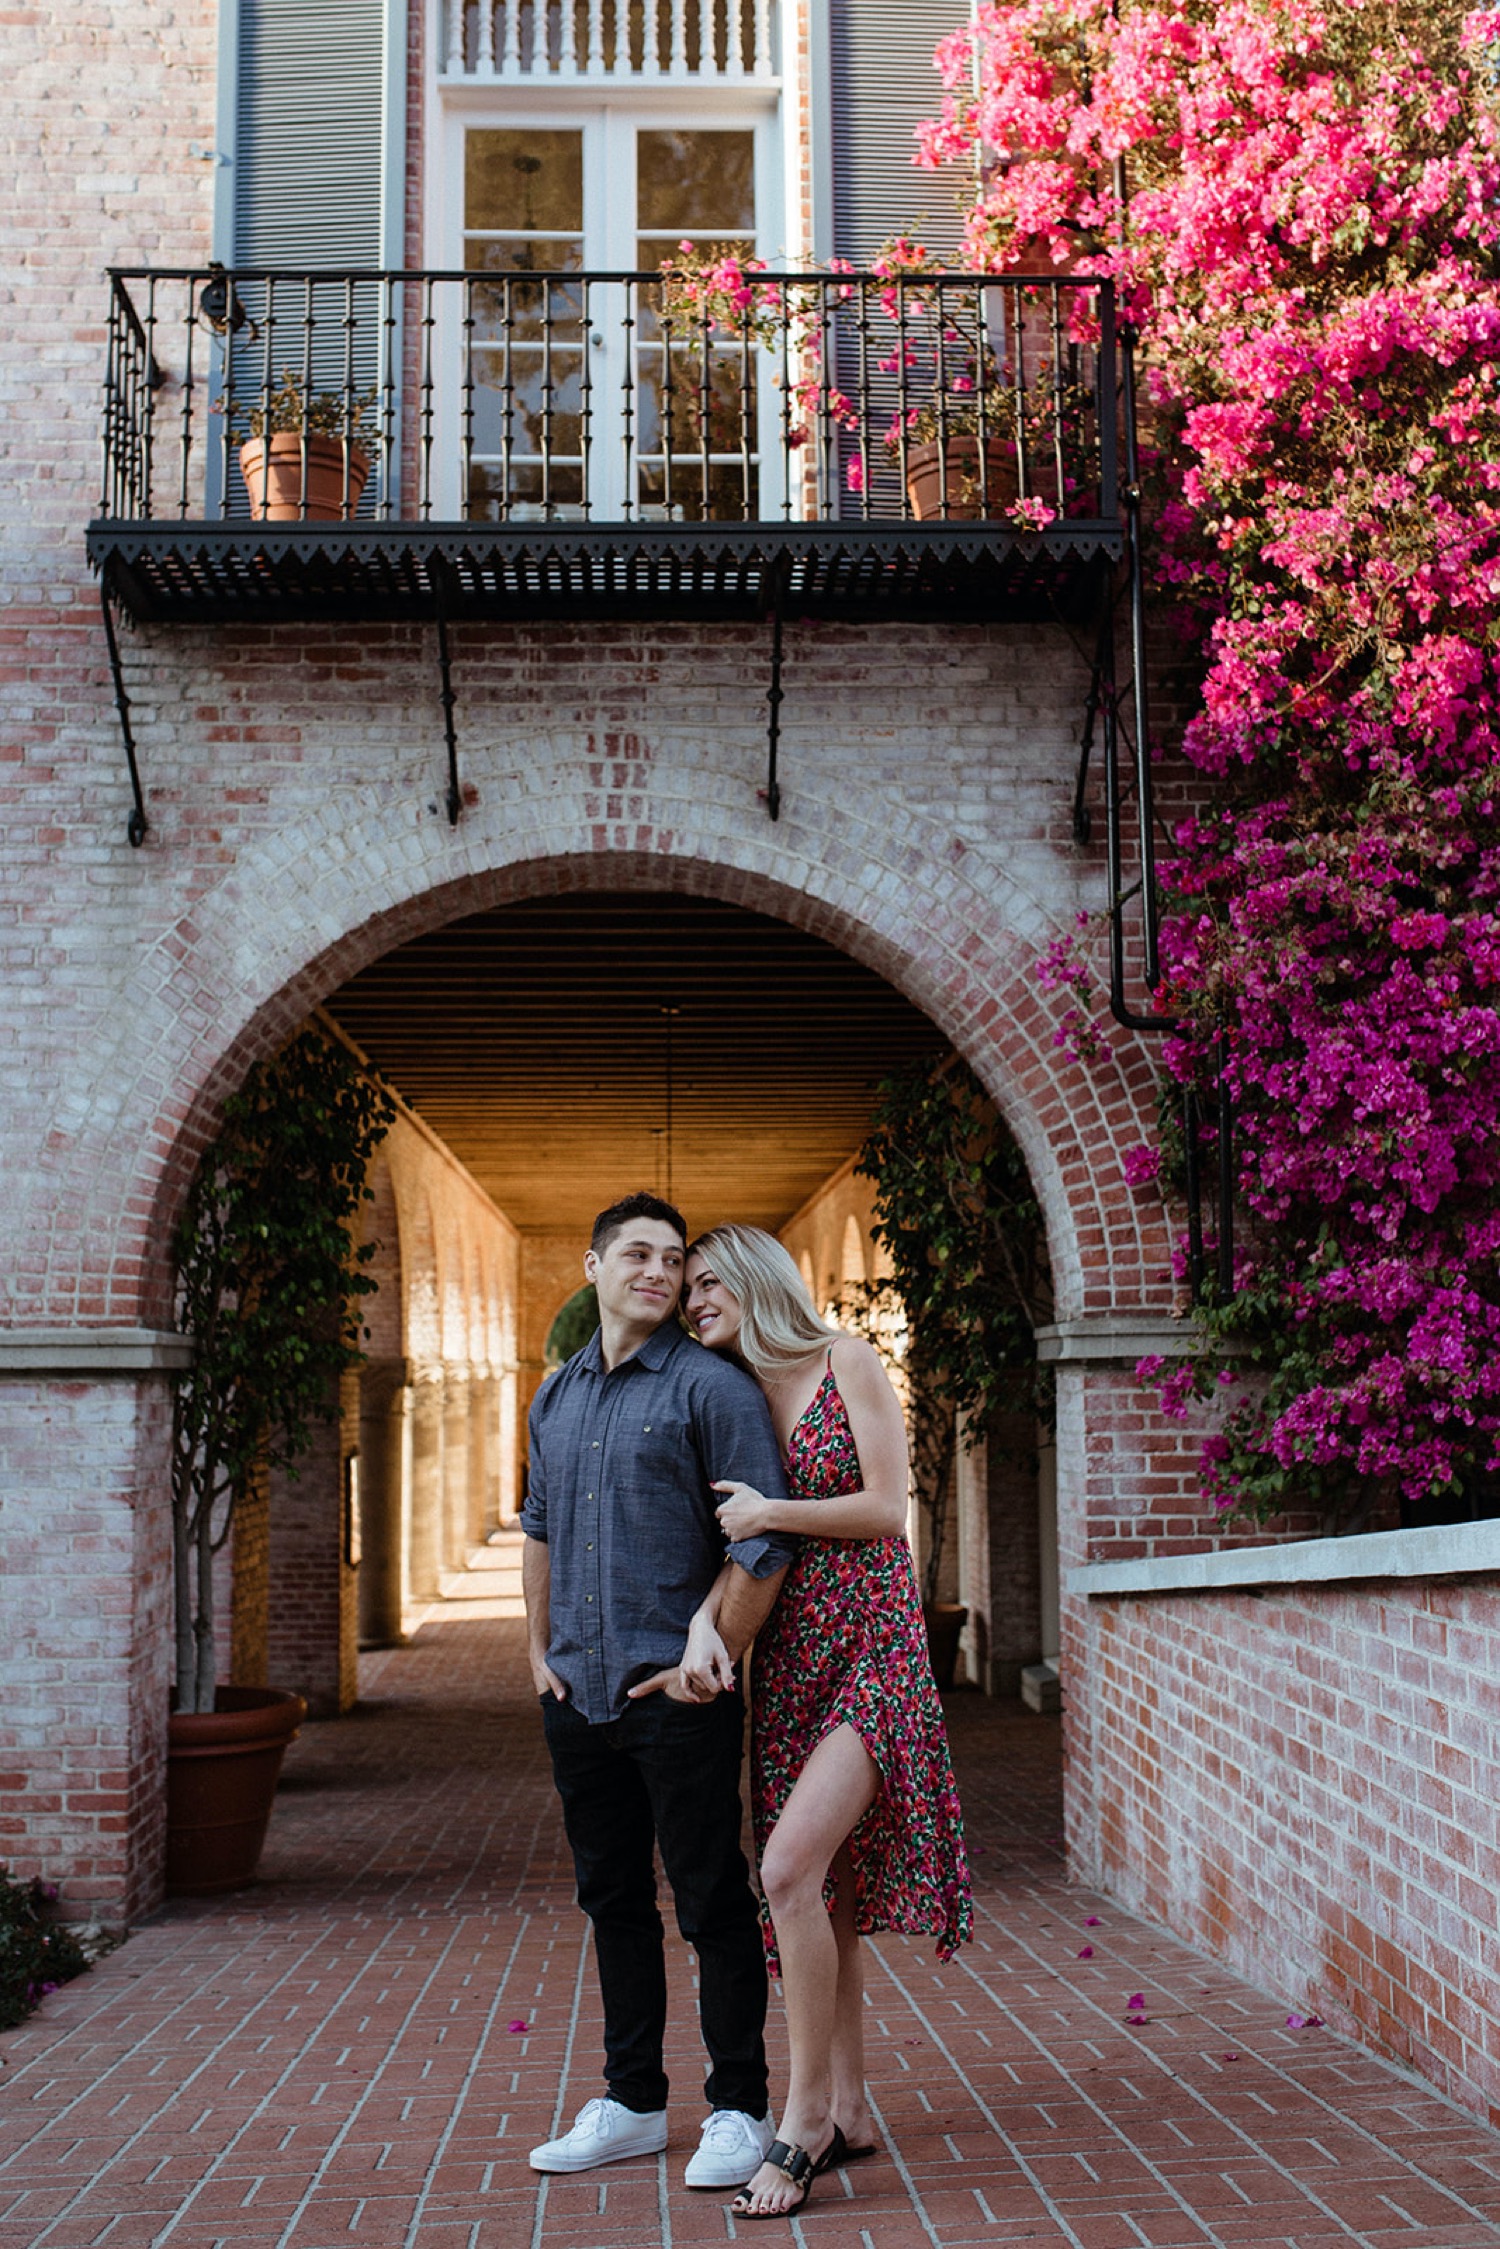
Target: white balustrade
675	42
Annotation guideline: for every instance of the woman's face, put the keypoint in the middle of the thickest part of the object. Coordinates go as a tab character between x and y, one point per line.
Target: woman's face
713	1311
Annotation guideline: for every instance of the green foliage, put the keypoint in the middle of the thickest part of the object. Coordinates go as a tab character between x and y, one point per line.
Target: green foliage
268	1289
35	1955
963	1230
326	413
574	1324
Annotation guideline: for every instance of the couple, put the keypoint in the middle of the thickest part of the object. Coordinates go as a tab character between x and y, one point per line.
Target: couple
648	1453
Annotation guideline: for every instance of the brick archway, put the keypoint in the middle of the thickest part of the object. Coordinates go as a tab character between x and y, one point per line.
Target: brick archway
954	935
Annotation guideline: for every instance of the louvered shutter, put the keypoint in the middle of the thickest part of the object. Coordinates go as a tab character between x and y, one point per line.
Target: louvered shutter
319	165
881	85
310	161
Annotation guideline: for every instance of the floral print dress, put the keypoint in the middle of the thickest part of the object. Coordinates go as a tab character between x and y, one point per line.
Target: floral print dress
846	1645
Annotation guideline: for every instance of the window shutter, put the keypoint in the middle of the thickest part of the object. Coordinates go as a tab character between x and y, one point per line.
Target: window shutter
311	164
318	108
881	85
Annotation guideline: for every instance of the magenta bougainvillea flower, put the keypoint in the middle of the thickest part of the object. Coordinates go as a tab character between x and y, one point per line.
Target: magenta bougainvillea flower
1310	251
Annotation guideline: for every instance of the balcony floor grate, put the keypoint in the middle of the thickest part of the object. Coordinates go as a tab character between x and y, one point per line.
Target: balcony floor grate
228	573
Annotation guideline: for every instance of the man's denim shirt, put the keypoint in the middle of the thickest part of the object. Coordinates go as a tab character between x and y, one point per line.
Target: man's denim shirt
622	1462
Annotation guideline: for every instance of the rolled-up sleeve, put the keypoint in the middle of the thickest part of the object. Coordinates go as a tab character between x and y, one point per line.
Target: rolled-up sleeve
737	1441
534	1508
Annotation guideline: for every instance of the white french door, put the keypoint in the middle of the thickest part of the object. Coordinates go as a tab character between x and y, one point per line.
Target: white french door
559	402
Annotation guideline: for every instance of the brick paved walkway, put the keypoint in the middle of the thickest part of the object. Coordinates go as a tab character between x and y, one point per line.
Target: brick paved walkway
358	2054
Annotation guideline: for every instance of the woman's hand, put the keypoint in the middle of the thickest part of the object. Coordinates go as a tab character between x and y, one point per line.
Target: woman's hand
746	1513
705	1669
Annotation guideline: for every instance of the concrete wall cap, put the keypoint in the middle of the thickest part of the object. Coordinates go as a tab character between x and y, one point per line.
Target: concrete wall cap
1109	1338
1447	1550
90	1353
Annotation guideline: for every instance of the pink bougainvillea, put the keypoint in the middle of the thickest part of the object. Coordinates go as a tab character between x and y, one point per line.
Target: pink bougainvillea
1309	249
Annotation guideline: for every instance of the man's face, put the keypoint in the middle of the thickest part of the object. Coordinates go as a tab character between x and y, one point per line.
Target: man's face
639	1275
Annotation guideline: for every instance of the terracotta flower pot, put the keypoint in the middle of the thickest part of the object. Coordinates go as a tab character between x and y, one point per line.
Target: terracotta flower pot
222	1768
272	469
953	468
945	1621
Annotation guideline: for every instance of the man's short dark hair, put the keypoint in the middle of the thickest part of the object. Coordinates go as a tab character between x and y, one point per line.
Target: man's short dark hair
630	1207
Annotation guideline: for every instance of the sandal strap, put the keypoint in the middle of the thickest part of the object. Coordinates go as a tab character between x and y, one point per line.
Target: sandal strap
794	2161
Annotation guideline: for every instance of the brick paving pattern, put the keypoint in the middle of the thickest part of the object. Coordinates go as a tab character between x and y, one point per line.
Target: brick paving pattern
358	2053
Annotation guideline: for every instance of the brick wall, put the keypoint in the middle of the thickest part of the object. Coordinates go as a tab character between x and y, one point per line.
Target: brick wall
1306	1782
85	1638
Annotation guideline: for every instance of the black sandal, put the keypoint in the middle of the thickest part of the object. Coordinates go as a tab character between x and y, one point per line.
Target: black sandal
800	2167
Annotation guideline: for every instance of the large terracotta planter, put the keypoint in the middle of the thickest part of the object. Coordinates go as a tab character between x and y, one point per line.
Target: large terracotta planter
945	1621
273	472
953	468
222	1768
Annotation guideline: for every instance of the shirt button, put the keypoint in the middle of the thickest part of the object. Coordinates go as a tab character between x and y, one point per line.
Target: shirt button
647	1430
589	1598
590	1547
595	1446
591	1495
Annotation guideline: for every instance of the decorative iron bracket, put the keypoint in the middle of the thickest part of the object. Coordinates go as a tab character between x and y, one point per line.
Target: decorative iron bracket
137	825
453	799
775	693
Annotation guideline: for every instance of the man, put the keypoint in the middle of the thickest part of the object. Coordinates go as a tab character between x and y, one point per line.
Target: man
622	1544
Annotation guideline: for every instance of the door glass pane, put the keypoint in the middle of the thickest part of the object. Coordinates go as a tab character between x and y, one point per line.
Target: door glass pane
695	388
695	183
526	373
518	181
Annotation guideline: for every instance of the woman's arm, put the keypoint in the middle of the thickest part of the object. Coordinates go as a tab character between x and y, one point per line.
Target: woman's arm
706	1667
878	1508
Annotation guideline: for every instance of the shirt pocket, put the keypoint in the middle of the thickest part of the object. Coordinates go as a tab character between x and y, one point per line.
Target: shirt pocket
655	1458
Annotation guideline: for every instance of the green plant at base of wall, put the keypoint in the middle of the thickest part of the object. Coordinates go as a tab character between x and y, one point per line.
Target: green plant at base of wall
268	1288
36	1955
956	1215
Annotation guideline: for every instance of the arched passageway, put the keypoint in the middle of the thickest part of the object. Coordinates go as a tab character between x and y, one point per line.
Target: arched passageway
954	933
546	1057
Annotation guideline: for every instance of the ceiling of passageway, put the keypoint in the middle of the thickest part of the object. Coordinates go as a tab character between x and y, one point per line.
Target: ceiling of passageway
533	1040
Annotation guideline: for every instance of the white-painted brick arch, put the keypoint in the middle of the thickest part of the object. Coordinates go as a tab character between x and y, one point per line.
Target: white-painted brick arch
305	904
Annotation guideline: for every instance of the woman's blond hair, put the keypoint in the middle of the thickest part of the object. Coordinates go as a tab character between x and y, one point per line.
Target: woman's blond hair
779	1323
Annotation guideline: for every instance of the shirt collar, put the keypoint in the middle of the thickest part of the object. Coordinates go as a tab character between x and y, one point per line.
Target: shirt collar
653	1353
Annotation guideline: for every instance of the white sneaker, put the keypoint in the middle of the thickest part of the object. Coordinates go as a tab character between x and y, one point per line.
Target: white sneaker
731	2151
603	2131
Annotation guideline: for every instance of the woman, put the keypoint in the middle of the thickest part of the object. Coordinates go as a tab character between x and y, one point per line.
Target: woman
857	1822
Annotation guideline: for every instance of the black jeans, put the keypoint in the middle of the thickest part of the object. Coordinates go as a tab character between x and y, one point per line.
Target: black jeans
665	1773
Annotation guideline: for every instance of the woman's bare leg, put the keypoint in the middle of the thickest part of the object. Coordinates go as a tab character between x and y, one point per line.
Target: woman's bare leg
847	2056
835	1788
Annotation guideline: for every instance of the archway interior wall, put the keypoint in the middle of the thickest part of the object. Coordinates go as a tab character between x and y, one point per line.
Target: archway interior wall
446	1267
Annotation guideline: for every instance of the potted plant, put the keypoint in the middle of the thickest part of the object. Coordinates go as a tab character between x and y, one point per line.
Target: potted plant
267	1287
957	1216
301	461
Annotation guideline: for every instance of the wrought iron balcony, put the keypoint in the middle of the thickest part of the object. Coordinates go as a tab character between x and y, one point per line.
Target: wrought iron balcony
526	444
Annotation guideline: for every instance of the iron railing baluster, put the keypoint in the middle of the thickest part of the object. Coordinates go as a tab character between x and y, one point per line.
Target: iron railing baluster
586	387
428	387
628	401
466	410
508	406
148	393
189	389
547	386
862	335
